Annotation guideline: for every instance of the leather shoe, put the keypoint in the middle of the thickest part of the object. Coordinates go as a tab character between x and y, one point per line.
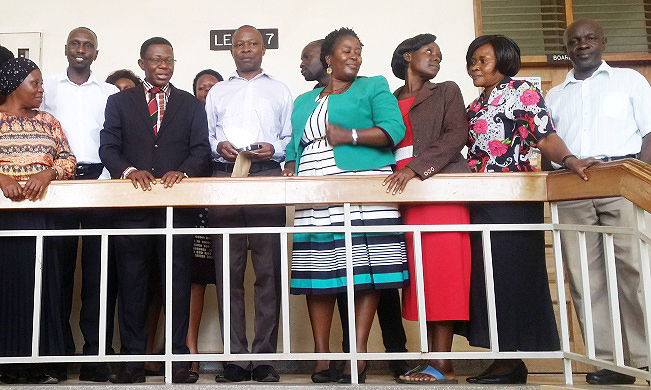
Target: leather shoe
607	377
265	373
184	375
517	376
331	374
44	379
361	376
233	373
94	374
126	376
322	376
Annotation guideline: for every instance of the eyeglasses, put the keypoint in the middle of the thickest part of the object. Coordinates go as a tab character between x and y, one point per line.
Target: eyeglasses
158	61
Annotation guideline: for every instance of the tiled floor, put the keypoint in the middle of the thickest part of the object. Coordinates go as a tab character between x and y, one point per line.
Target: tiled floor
296	382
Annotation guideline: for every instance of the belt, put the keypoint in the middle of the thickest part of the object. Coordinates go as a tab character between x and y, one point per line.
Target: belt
258	166
88	171
614	158
306	144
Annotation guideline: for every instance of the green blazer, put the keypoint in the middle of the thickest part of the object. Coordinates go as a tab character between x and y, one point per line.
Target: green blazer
367	103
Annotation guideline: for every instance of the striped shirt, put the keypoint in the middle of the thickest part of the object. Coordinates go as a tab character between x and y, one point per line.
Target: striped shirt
605	115
161	97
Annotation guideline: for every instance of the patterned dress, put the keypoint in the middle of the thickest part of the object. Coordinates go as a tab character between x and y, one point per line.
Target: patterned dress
503	128
28	146
319	259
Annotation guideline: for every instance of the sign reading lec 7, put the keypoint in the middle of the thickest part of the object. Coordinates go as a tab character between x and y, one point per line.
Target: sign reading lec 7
223	39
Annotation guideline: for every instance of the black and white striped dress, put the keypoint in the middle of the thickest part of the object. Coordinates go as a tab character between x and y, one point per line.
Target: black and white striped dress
319	259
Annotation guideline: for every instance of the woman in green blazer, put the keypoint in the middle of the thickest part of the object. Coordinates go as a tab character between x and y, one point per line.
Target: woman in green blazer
348	127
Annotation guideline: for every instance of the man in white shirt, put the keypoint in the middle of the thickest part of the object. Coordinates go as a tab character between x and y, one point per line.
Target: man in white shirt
605	113
77	99
250	110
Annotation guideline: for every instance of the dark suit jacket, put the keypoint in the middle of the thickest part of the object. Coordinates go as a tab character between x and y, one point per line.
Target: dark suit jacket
181	144
440	129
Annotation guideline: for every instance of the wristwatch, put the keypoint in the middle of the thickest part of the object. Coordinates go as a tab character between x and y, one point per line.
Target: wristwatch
354	134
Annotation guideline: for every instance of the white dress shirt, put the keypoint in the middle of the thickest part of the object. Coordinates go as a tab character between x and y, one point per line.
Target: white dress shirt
80	109
605	115
261	106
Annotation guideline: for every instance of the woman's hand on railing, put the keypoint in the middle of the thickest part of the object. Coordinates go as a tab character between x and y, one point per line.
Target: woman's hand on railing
579	165
11	189
37	183
397	181
289	169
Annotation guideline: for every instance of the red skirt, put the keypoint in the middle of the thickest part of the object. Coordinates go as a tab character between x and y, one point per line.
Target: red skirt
446	263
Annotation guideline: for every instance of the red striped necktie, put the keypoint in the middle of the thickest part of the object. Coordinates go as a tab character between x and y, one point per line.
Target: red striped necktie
153	107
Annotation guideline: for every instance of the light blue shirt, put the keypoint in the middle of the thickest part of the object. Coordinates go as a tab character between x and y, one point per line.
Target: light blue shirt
256	110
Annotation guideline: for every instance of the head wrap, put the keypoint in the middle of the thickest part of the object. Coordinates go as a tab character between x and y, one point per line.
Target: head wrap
13	72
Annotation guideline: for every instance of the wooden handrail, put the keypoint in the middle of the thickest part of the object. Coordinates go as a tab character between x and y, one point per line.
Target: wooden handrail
629	178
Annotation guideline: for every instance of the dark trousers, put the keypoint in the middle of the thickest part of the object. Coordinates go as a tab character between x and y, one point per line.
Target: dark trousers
133	258
265	255
65	252
17	266
389	315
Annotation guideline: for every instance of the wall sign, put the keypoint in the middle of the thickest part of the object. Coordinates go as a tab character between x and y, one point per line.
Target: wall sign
535	80
222	39
557	58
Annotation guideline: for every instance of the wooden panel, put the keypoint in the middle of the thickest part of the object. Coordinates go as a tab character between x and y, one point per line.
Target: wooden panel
629	178
477	15
292	190
569	13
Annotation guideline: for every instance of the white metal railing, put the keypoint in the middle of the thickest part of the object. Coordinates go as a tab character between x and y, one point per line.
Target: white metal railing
643	239
565	353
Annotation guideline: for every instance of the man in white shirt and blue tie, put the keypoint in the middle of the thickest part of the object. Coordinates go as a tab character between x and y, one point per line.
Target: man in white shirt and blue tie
603	112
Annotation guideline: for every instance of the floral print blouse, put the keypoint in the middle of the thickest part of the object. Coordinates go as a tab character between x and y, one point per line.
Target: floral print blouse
504	126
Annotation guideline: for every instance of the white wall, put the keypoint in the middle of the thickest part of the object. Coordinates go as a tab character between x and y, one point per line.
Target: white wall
123	25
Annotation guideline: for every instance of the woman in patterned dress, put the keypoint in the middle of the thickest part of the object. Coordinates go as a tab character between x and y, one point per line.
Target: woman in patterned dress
346	128
33	150
437	129
506	121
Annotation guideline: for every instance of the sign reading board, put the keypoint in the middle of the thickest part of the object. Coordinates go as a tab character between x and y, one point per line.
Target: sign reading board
558	58
223	39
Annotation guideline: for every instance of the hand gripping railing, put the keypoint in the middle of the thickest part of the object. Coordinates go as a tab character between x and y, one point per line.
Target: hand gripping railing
628	178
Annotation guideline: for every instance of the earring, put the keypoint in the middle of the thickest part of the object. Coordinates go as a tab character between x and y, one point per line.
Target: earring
328	70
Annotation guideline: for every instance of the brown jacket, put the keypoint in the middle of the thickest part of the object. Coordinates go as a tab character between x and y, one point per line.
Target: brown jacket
440	129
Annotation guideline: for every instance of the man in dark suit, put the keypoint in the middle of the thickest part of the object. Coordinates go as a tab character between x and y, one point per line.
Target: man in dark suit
153	134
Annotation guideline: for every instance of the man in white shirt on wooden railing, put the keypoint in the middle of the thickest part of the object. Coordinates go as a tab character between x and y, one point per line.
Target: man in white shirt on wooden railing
78	100
249	113
605	113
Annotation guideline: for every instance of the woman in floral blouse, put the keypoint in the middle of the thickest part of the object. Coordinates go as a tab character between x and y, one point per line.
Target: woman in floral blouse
506	121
